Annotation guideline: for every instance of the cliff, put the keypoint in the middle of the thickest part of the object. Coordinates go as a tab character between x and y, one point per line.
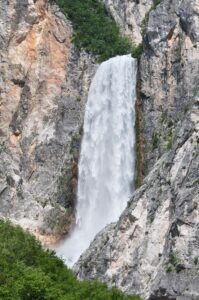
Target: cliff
44	80
153	248
43	87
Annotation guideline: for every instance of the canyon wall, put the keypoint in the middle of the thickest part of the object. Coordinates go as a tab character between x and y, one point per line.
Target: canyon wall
153	248
44	82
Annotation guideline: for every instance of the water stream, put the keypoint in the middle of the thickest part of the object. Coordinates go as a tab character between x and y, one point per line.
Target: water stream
107	160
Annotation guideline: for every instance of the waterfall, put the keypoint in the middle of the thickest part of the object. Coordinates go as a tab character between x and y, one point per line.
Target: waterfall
107	160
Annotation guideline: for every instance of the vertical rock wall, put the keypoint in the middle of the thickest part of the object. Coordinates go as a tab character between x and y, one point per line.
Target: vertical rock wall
169	74
43	87
129	15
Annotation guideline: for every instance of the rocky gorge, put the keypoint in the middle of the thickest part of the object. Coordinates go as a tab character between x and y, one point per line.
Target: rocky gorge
153	249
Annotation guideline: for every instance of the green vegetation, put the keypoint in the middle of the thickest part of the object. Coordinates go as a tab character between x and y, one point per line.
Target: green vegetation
155	140
27	272
170	123
170	143
195	260
137	51
156	3
95	30
170	137
174	264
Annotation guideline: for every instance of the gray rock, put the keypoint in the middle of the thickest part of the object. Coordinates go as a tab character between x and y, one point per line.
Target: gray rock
130	16
43	88
153	249
169	70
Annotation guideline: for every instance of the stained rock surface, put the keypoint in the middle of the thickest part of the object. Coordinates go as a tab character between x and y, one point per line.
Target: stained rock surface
43	86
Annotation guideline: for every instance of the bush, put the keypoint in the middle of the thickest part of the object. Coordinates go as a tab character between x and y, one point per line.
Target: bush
27	272
94	30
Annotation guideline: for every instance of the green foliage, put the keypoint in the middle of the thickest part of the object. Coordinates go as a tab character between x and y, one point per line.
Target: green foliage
170	143
155	140
186	109
168	269
95	31
170	138
195	260
78	99
170	123
174	264
137	51
27	272
173	260
164	117
156	3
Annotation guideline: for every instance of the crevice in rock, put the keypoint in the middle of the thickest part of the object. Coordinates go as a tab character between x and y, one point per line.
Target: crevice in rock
139	127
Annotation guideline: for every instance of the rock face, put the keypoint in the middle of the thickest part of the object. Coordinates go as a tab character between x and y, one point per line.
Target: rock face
153	249
169	73
43	87
130	16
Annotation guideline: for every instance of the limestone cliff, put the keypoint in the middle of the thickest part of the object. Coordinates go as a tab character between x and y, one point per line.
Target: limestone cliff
169	71
43	86
129	15
153	248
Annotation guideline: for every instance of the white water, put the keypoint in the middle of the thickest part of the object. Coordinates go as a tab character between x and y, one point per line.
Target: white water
106	167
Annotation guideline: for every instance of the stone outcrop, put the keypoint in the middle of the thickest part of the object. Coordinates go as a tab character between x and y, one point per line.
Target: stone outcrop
153	248
44	82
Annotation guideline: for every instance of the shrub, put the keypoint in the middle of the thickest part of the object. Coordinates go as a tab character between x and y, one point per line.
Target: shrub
27	272
137	51
94	30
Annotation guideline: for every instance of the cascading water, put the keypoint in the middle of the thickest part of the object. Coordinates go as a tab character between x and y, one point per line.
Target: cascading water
106	166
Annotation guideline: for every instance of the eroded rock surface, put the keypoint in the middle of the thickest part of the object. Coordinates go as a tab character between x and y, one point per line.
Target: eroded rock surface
43	86
153	249
129	15
169	71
